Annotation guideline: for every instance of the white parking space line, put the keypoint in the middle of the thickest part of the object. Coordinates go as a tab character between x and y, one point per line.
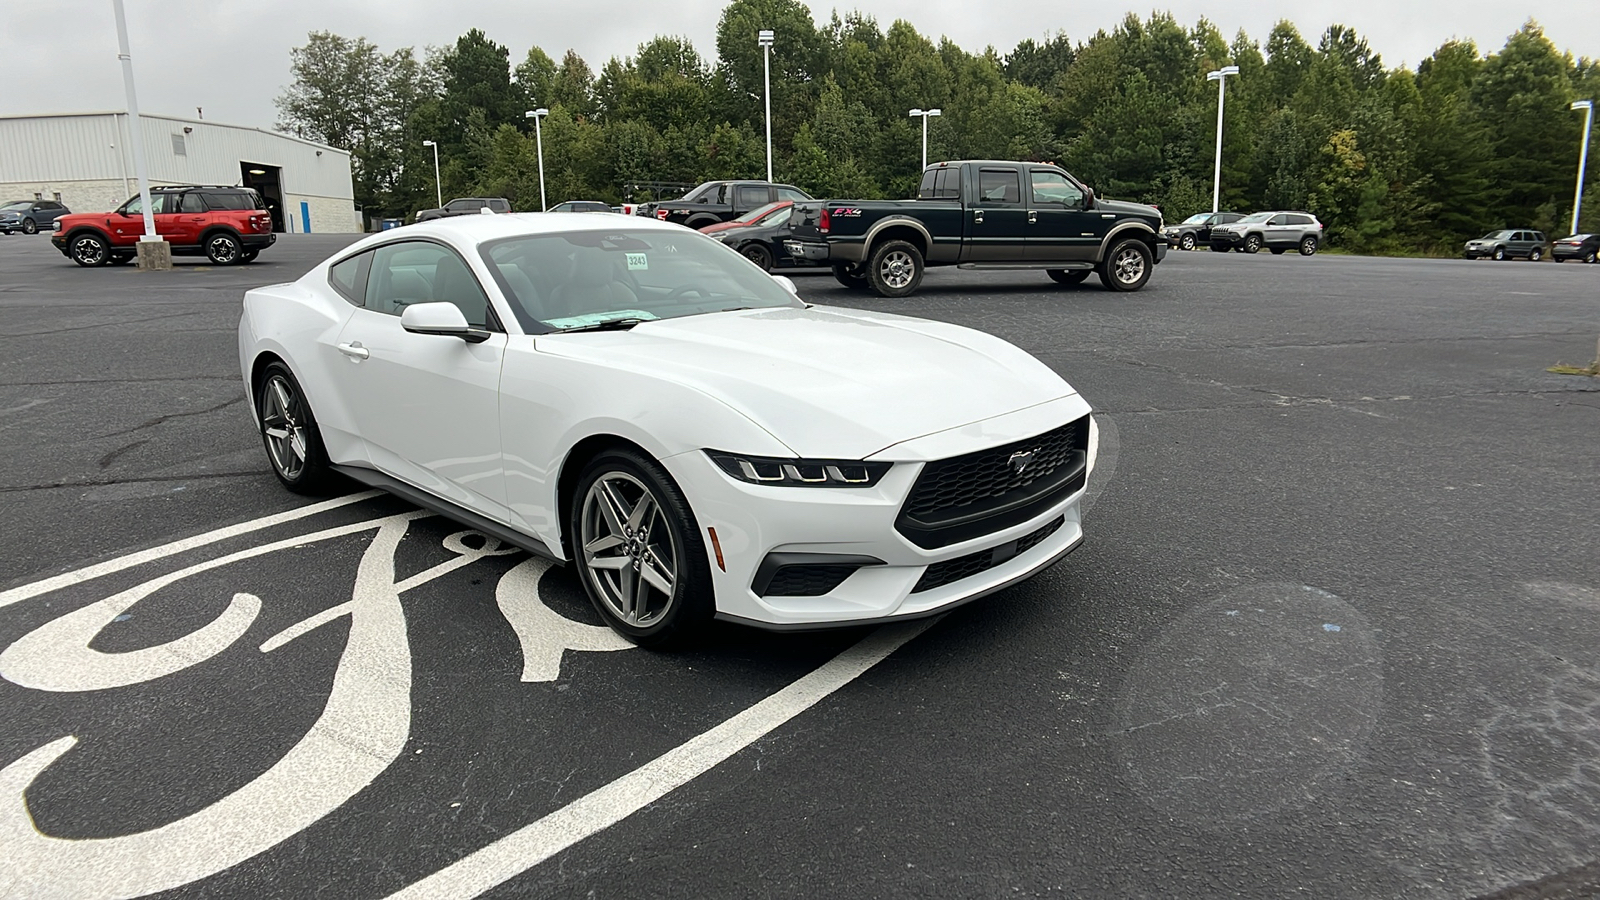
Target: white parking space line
78	576
594	812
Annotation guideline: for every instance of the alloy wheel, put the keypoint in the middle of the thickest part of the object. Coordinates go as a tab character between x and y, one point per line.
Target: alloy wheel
222	249
88	251
1187	243
1128	266
629	552
283	424
897	269
29	226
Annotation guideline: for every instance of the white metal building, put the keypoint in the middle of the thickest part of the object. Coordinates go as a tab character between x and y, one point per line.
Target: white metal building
83	160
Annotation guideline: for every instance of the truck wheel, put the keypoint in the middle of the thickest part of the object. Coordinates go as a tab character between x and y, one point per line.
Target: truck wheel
1252	244
1067	276
896	269
1127	267
849	276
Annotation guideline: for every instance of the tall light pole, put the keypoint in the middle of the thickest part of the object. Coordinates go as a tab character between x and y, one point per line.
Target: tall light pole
135	133
764	38
438	188
1220	76
538	115
925	113
1583	158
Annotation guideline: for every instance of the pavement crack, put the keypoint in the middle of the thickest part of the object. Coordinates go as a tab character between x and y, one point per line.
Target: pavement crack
102	482
71	328
151	423
111	457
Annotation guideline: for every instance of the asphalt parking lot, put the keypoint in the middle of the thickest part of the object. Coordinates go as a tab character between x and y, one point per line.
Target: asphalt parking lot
1332	632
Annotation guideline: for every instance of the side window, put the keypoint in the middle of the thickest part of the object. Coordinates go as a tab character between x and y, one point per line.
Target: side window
1279	219
791	194
925	190
499	206
349	277
948	185
999	186
1053	187
193	202
1299	220
752	196
158	205
459	205
776	217
423	272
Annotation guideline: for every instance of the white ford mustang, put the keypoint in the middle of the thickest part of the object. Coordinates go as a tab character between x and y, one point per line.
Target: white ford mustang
639	399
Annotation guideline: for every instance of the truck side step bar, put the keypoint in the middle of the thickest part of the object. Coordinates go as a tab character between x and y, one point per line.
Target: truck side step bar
1075	264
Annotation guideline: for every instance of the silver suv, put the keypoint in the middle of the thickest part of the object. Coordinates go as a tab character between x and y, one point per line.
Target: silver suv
1279	232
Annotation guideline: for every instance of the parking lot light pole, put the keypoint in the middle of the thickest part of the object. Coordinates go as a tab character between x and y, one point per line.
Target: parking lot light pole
1583	158
764	38
1220	76
924	114
538	140
438	188
158	255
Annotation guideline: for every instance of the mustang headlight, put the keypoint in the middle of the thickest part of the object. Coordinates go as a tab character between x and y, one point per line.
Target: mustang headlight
799	472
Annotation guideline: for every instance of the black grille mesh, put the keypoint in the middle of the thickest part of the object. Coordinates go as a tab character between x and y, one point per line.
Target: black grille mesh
806	581
952	570
950	485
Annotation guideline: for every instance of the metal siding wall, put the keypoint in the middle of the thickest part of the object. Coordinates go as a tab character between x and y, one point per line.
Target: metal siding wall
78	148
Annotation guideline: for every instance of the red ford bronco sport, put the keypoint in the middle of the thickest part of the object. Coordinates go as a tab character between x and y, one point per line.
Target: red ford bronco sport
230	225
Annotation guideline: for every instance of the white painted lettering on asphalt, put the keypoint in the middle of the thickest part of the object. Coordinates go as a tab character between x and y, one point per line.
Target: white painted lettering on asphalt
544	634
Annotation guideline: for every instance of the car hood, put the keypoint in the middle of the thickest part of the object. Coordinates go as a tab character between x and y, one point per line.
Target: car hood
1126	208
827	382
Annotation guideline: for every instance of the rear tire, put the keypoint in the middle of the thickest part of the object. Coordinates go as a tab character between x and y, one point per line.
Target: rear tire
758	254
1535	255
849	276
1068	276
659	544
895	269
1589	257
1308	246
223	249
89	250
289	433
1127	267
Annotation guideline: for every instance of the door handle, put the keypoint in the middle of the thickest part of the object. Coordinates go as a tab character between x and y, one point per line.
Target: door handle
977	216
354	350
1033	217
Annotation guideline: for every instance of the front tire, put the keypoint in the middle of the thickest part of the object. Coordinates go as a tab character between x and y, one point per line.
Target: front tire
290	434
849	276
1252	244
896	269
89	250
639	552
1186	242
758	254
224	249
1127	267
29	226
1068	276
1499	254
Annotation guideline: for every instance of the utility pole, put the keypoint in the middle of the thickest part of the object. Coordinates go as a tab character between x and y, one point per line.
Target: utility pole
154	253
1220	76
764	38
1583	158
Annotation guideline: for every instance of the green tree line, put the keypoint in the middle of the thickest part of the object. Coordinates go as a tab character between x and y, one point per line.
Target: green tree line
1391	160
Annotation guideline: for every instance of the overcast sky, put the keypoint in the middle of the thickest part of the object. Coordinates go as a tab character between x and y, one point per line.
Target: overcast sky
232	57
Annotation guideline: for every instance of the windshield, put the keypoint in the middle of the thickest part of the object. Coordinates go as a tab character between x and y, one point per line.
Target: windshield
1255	217
559	281
1197	218
1498	236
22	205
758	212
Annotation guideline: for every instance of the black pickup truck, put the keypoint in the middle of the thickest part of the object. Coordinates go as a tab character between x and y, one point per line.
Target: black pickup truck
719	201
980	214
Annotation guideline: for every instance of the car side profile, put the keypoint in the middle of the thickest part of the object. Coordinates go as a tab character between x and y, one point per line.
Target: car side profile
228	225
1507	243
1576	246
1278	231
465	206
30	216
635	399
1196	230
582	206
759	236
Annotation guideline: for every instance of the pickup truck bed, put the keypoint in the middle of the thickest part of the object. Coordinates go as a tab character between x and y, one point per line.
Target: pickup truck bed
980	214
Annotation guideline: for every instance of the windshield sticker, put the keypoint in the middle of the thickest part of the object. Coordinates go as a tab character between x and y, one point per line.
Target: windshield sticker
638	262
591	318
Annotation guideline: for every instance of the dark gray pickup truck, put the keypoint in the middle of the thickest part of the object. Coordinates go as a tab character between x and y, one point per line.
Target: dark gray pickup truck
980	214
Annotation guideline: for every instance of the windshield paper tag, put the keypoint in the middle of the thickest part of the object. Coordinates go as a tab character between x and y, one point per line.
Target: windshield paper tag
638	262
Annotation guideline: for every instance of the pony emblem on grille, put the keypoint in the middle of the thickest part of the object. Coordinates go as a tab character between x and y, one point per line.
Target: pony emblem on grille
1020	460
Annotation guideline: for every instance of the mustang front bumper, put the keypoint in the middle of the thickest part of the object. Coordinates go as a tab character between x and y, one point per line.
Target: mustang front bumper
760	528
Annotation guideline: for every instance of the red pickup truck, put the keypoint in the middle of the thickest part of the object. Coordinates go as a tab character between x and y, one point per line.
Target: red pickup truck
229	225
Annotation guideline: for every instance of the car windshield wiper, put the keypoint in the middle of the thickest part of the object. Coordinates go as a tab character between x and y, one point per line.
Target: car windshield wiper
622	323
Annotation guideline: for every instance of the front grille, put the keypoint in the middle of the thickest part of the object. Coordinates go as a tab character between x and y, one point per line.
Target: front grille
980	493
953	570
807	581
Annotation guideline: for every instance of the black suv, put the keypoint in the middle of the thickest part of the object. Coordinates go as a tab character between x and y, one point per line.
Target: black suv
30	216
466	206
720	201
1196	229
1508	244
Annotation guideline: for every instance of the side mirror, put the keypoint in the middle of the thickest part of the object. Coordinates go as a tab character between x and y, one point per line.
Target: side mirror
1088	198
441	319
787	283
